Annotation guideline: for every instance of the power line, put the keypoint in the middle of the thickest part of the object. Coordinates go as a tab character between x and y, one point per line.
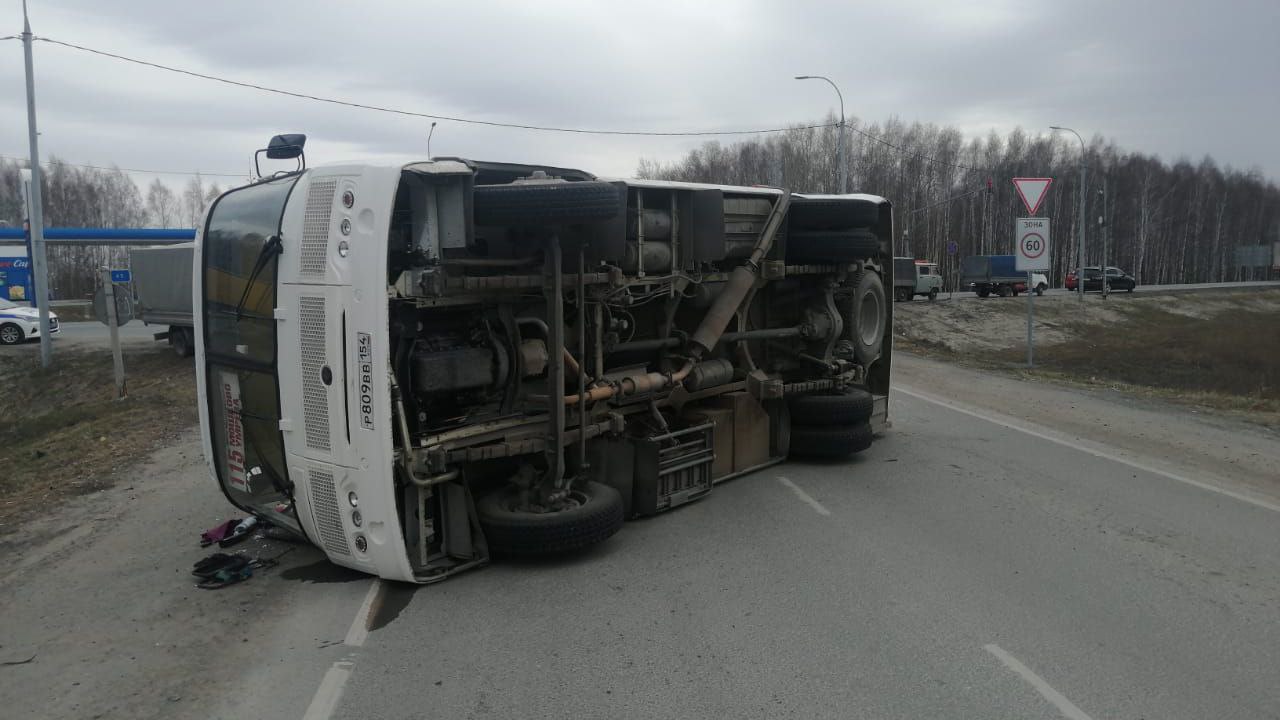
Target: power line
429	116
133	170
490	123
944	201
904	151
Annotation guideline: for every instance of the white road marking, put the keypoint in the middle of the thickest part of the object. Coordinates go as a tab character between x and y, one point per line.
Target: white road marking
804	496
359	630
1065	706
325	701
1014	425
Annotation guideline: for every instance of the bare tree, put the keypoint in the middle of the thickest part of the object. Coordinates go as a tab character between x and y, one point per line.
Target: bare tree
193	201
162	204
1164	223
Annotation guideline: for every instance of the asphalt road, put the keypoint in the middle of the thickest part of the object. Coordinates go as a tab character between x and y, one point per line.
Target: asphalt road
1072	562
93	333
960	568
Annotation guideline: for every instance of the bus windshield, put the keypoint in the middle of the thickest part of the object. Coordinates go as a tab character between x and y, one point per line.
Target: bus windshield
240	349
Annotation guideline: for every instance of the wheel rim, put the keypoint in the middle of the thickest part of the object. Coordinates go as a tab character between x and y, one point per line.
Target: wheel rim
869	318
9	335
575	500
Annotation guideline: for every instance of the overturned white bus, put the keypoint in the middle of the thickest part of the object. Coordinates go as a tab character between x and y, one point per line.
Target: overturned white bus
421	366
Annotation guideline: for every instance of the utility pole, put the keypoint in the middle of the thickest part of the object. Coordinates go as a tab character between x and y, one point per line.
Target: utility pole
35	213
842	174
1083	204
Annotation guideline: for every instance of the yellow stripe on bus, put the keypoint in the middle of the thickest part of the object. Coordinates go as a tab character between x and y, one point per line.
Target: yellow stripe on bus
225	288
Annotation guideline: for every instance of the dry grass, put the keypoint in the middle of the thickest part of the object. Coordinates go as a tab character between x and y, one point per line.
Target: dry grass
1210	349
65	434
1234	353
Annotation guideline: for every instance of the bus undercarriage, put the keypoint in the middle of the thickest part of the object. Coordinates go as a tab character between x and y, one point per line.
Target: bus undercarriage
506	360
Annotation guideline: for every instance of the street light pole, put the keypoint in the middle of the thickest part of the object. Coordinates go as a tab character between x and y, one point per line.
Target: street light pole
1083	203
842	174
1103	231
35	215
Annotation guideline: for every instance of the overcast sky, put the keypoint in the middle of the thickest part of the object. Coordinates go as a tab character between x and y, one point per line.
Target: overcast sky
1178	78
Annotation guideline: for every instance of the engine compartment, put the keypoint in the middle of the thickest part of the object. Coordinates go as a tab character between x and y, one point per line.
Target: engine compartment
567	352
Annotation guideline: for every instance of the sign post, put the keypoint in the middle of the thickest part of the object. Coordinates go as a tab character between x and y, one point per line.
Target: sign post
1032	243
952	249
108	288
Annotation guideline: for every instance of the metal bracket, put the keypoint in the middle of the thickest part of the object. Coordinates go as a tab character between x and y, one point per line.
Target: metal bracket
773	269
763	387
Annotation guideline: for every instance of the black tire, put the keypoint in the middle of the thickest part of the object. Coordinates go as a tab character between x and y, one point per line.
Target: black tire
547	203
848	408
522	534
933	294
832	245
1004	291
822	214
1040	289
1131	287
11	334
181	340
983	292
870	316
830	443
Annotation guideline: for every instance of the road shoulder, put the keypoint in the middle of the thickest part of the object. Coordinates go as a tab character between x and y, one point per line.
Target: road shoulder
98	593
1208	446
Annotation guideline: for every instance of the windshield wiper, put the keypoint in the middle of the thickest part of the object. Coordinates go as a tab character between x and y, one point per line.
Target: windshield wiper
270	249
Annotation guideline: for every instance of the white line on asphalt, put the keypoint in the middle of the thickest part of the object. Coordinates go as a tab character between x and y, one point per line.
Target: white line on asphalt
1065	706
359	630
804	496
325	701
1013	425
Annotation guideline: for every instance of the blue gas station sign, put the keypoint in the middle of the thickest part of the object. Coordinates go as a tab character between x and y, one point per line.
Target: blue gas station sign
15	279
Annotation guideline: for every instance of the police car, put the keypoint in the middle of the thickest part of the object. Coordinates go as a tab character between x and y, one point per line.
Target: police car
20	322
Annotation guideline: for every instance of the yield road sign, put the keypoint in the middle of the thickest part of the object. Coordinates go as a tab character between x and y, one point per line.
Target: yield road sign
1032	191
1032	244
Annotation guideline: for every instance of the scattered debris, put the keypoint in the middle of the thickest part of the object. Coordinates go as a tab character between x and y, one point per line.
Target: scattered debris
228	533
222	569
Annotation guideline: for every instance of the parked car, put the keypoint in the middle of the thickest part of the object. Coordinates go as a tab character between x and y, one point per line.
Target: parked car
1039	283
915	277
22	322
1116	279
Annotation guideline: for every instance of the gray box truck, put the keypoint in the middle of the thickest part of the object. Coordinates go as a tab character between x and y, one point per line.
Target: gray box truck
162	284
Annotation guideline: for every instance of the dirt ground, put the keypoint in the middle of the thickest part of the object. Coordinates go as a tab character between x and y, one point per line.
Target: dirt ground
102	618
1217	350
66	434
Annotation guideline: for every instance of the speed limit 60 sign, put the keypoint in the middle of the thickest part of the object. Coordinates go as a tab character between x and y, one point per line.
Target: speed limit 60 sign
1032	243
